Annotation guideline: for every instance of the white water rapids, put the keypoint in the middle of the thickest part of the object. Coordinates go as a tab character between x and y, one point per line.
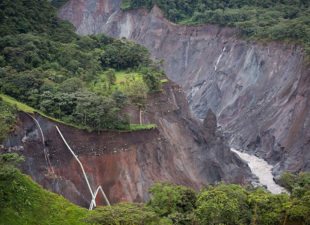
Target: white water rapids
262	170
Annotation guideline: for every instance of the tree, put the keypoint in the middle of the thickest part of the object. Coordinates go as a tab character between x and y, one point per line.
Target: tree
158	65
97	112
85	104
71	85
7	119
222	205
174	202
120	98
152	82
268	208
123	213
111	77
47	103
297	185
122	54
137	92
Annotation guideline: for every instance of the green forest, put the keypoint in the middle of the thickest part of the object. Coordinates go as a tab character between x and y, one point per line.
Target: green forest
7	118
81	80
24	202
265	20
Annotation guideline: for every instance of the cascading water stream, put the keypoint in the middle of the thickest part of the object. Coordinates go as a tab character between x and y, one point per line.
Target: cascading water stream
262	170
93	194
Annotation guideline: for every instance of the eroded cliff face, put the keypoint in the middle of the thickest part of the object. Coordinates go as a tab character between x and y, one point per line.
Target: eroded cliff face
181	150
259	92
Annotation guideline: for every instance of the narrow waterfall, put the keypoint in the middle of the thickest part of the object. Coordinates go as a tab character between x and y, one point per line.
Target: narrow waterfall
262	170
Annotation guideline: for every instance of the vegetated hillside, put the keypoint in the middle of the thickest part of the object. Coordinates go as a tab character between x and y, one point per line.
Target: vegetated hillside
85	81
25	202
7	119
272	20
259	91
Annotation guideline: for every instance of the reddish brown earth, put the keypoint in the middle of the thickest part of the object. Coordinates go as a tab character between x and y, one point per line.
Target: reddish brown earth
181	150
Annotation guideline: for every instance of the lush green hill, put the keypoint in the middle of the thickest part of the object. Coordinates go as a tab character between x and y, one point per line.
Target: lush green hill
24	202
7	119
270	20
75	79
36	16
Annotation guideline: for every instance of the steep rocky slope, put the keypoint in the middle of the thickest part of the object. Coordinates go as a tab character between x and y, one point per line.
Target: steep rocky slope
260	92
181	150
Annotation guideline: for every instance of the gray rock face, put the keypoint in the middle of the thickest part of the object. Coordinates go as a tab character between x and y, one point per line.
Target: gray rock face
210	122
259	92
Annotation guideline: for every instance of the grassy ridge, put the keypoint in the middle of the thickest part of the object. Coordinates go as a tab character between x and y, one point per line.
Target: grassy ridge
20	106
25	108
135	127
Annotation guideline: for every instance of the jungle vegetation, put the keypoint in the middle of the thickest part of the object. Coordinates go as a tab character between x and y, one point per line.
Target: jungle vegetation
81	80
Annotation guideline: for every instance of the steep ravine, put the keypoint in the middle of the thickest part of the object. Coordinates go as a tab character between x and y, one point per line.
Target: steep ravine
181	150
259	92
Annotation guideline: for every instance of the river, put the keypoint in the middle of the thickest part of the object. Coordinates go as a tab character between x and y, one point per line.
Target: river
262	170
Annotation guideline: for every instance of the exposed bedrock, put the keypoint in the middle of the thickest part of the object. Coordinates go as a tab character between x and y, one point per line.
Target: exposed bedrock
259	92
126	164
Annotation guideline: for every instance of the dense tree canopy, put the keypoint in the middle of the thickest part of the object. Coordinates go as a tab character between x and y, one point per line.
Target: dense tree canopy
36	16
44	64
7	119
232	204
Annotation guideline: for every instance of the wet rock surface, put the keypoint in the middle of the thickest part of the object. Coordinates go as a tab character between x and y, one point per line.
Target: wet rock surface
126	164
259	92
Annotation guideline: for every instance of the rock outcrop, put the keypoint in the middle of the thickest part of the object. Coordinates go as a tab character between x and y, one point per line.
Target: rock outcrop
126	164
210	122
259	92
